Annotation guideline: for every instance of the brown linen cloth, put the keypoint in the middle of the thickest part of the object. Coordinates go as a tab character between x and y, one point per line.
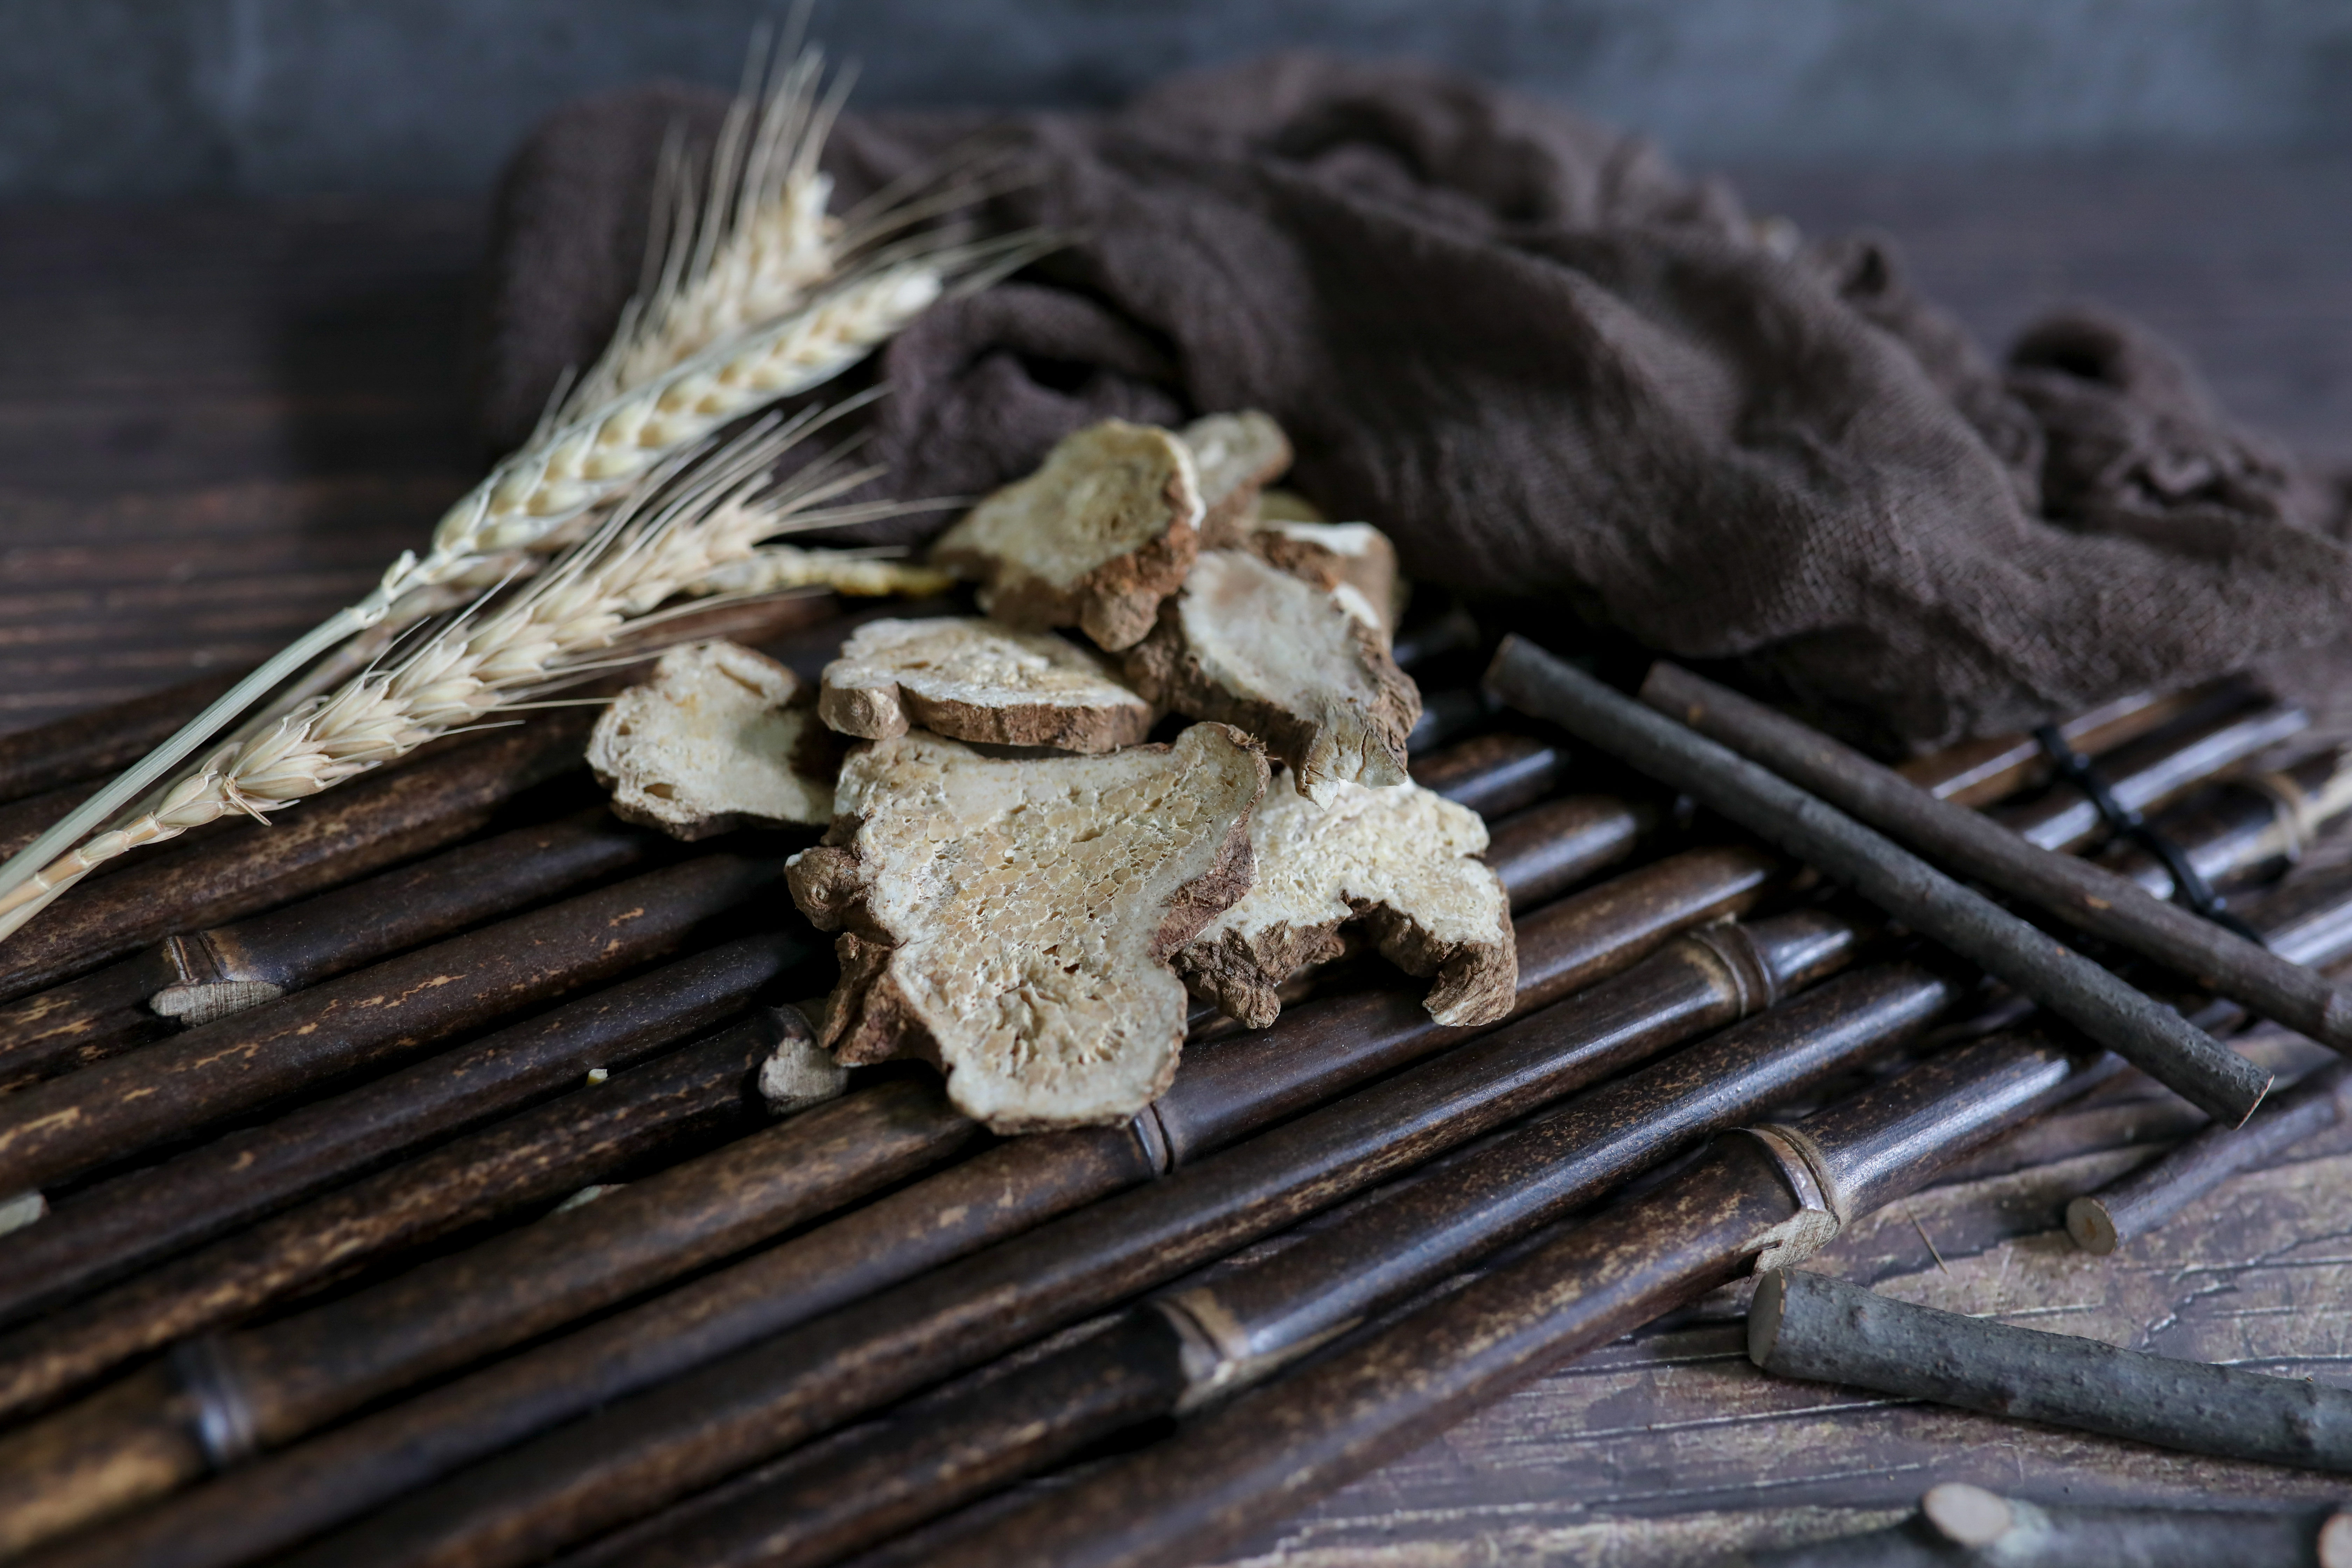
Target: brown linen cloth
1549	366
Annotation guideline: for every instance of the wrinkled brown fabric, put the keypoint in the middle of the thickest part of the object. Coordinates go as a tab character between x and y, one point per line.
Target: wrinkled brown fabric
1549	366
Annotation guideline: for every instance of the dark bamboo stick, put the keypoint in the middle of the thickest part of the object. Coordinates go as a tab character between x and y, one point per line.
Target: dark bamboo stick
1446	715
2250	829
1237	1329
533	1158
1226	1089
2136	1204
101	1234
1268	1452
1809	1326
1543	851
230	968
378	1016
223	1398
1493	774
2154	770
1978	773
2082	893
295	1374
198	977
1958	1524
363	827
2151	1036
644	1451
810	1508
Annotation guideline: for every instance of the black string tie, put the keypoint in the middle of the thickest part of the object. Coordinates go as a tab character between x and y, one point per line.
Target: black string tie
2190	887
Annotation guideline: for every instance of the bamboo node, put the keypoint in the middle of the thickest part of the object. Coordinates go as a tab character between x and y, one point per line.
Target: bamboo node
1821	1212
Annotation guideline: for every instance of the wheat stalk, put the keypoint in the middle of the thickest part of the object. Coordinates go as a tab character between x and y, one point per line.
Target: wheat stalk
760	243
510	647
529	496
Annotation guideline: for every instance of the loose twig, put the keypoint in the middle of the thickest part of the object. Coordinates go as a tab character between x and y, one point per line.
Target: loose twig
2183	1057
1811	1326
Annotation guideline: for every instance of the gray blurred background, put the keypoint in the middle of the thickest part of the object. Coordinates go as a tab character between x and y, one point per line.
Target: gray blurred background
238	236
113	97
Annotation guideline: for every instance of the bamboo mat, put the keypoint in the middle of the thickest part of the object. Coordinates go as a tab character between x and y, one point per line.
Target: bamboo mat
218	422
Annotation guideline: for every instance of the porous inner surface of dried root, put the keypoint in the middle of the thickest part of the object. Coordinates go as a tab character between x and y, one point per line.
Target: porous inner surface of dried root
955	671
1403	858
1031	905
1105	492
1268	638
708	743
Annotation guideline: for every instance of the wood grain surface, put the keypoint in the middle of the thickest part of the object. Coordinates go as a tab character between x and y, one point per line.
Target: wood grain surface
218	422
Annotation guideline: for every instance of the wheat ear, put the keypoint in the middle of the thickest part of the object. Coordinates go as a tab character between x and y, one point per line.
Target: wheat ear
509	648
539	498
749	250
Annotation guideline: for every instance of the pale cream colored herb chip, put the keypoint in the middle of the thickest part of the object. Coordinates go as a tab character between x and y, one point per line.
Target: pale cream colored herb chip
1012	919
1095	539
716	740
972	680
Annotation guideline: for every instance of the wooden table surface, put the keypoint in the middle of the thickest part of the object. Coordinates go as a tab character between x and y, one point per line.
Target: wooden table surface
219	422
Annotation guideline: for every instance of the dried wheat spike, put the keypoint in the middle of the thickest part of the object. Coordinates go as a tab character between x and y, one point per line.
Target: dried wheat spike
509	650
528	497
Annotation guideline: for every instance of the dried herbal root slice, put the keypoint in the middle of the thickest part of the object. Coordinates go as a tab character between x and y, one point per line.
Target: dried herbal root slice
717	738
1353	560
1011	919
1094	538
972	680
1401	860
1249	645
1236	455
799	1072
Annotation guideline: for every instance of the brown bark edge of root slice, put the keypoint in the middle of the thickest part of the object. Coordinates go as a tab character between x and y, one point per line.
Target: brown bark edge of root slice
1249	645
1096	538
972	680
1038	1019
